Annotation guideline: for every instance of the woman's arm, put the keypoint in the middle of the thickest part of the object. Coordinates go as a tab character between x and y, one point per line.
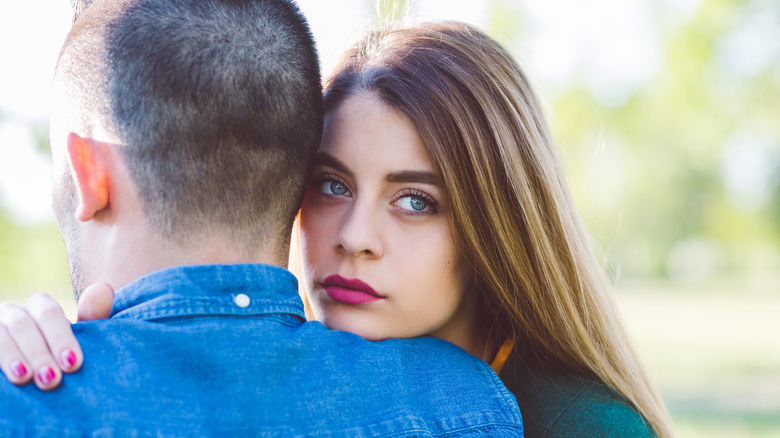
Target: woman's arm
36	340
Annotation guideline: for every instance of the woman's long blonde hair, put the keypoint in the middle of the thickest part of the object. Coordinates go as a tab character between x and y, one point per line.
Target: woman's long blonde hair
521	240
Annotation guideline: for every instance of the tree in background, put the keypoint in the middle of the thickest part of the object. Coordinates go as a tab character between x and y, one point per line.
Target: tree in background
679	179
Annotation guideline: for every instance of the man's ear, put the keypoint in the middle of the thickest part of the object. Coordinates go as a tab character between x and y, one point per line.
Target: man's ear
89	169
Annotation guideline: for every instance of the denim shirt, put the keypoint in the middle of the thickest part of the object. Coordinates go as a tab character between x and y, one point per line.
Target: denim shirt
222	350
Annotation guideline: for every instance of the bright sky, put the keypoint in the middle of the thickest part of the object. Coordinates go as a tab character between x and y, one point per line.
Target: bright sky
558	45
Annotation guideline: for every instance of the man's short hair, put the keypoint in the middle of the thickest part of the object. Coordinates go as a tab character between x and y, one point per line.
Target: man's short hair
217	103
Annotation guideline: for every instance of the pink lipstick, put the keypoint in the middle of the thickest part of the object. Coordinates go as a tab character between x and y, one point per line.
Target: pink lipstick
349	291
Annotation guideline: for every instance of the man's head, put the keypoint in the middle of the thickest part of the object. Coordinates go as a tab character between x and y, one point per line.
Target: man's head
212	107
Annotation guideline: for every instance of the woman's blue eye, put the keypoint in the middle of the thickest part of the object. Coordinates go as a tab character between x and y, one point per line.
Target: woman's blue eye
333	188
337	188
412	203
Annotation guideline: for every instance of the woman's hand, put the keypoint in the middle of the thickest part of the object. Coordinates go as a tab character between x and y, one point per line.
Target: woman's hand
36	341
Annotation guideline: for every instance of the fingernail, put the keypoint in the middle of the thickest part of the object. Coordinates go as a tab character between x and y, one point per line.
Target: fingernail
68	359
18	369
46	375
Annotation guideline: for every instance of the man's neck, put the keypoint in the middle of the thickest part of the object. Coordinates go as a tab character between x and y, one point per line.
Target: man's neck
130	255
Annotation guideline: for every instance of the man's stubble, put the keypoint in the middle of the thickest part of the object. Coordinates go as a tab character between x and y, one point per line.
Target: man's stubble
65	204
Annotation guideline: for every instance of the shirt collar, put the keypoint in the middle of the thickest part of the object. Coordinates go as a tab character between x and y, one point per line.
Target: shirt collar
199	290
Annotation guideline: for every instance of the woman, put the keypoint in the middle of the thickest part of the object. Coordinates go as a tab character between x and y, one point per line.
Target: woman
437	207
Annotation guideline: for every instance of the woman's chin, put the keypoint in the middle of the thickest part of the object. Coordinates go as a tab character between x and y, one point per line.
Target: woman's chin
369	333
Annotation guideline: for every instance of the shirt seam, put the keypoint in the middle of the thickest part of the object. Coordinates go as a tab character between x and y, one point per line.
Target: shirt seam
566	409
157	313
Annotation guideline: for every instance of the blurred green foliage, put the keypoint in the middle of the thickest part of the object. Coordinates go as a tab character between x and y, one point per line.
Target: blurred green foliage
32	258
664	180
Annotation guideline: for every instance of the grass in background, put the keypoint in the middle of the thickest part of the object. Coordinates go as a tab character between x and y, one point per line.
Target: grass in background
714	351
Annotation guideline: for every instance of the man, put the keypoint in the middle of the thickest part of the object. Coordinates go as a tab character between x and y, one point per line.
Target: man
182	136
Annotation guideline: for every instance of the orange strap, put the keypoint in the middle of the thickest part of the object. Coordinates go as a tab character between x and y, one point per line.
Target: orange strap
502	355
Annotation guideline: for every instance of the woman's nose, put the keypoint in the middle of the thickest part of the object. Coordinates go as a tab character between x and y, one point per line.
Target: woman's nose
359	235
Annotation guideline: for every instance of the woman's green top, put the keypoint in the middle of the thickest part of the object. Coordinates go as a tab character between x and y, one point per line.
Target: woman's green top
555	404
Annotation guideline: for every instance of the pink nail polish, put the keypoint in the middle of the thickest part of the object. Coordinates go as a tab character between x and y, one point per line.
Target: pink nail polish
68	359
46	374
18	369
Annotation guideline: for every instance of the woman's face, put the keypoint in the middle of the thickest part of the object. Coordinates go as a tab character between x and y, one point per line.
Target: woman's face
378	257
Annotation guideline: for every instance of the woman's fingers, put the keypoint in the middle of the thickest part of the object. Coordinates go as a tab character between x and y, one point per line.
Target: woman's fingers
25	353
13	363
56	330
37	342
96	302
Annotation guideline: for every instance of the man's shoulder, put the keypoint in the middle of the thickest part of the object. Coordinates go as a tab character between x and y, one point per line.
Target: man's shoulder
427	375
24	411
214	375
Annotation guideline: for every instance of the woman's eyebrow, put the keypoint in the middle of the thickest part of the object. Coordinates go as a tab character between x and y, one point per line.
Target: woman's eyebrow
412	176
325	159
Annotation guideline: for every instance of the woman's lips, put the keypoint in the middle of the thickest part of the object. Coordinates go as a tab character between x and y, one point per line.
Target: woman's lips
349	291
